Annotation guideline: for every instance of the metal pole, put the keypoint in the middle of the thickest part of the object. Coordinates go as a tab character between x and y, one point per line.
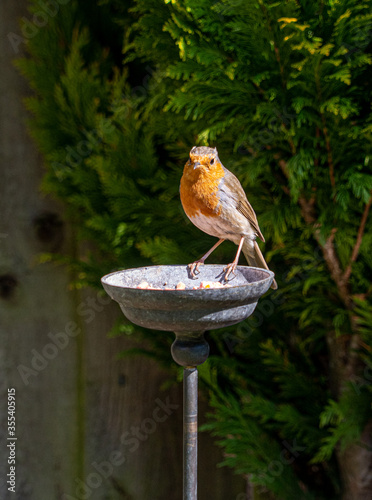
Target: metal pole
190	433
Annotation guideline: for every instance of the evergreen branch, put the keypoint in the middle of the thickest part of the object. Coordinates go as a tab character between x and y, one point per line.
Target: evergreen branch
358	242
365	295
330	256
325	130
307	206
289	138
308	210
276	48
283	166
329	155
259	89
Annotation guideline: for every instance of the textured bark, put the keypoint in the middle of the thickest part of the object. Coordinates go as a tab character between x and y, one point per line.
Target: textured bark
356	468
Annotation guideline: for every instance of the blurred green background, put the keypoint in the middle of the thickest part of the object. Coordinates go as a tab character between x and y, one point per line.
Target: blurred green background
121	91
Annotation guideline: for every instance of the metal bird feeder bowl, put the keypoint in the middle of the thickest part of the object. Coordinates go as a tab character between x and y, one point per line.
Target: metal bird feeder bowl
188	313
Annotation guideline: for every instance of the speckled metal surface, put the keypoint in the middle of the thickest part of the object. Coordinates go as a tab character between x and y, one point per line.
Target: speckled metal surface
187	310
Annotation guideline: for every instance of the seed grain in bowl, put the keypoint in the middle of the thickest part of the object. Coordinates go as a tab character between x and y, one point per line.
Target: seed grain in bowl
144	285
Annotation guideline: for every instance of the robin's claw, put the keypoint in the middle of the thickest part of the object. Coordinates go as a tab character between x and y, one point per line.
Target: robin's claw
194	267
230	268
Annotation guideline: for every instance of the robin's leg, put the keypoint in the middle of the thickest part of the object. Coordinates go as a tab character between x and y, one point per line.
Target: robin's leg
230	268
194	267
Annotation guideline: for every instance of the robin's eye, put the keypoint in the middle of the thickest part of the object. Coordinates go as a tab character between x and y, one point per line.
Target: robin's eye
212	161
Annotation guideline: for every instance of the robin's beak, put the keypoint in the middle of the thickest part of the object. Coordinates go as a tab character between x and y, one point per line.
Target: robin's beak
196	164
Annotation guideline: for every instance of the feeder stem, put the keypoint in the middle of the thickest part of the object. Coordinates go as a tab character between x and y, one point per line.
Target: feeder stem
190	433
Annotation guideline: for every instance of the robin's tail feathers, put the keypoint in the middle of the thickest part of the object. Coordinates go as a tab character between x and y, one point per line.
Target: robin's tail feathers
255	258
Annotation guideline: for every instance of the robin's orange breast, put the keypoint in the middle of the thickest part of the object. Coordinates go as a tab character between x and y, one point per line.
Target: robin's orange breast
199	191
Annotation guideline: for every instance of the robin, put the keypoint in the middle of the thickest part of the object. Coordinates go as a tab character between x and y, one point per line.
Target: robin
215	202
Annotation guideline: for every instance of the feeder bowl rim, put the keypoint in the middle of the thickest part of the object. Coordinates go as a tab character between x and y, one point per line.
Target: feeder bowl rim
105	278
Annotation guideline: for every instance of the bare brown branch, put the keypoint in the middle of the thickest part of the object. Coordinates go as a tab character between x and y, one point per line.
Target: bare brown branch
358	242
329	251
334	266
308	212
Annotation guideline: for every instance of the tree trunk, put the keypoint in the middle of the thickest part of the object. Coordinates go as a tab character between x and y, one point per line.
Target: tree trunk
345	364
356	468
355	462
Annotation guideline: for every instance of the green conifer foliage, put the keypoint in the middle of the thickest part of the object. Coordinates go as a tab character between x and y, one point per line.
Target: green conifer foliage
283	90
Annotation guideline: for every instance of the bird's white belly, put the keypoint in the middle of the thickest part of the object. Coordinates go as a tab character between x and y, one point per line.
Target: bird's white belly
220	228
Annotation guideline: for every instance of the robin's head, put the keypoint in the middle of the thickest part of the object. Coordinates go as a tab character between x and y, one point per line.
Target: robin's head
204	158
201	177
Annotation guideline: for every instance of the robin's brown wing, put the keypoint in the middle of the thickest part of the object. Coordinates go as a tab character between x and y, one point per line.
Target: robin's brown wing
233	187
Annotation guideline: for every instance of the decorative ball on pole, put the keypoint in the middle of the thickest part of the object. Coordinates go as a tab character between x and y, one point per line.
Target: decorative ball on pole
190	349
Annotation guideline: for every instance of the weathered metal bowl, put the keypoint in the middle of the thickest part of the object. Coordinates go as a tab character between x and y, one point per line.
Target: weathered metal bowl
187	310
